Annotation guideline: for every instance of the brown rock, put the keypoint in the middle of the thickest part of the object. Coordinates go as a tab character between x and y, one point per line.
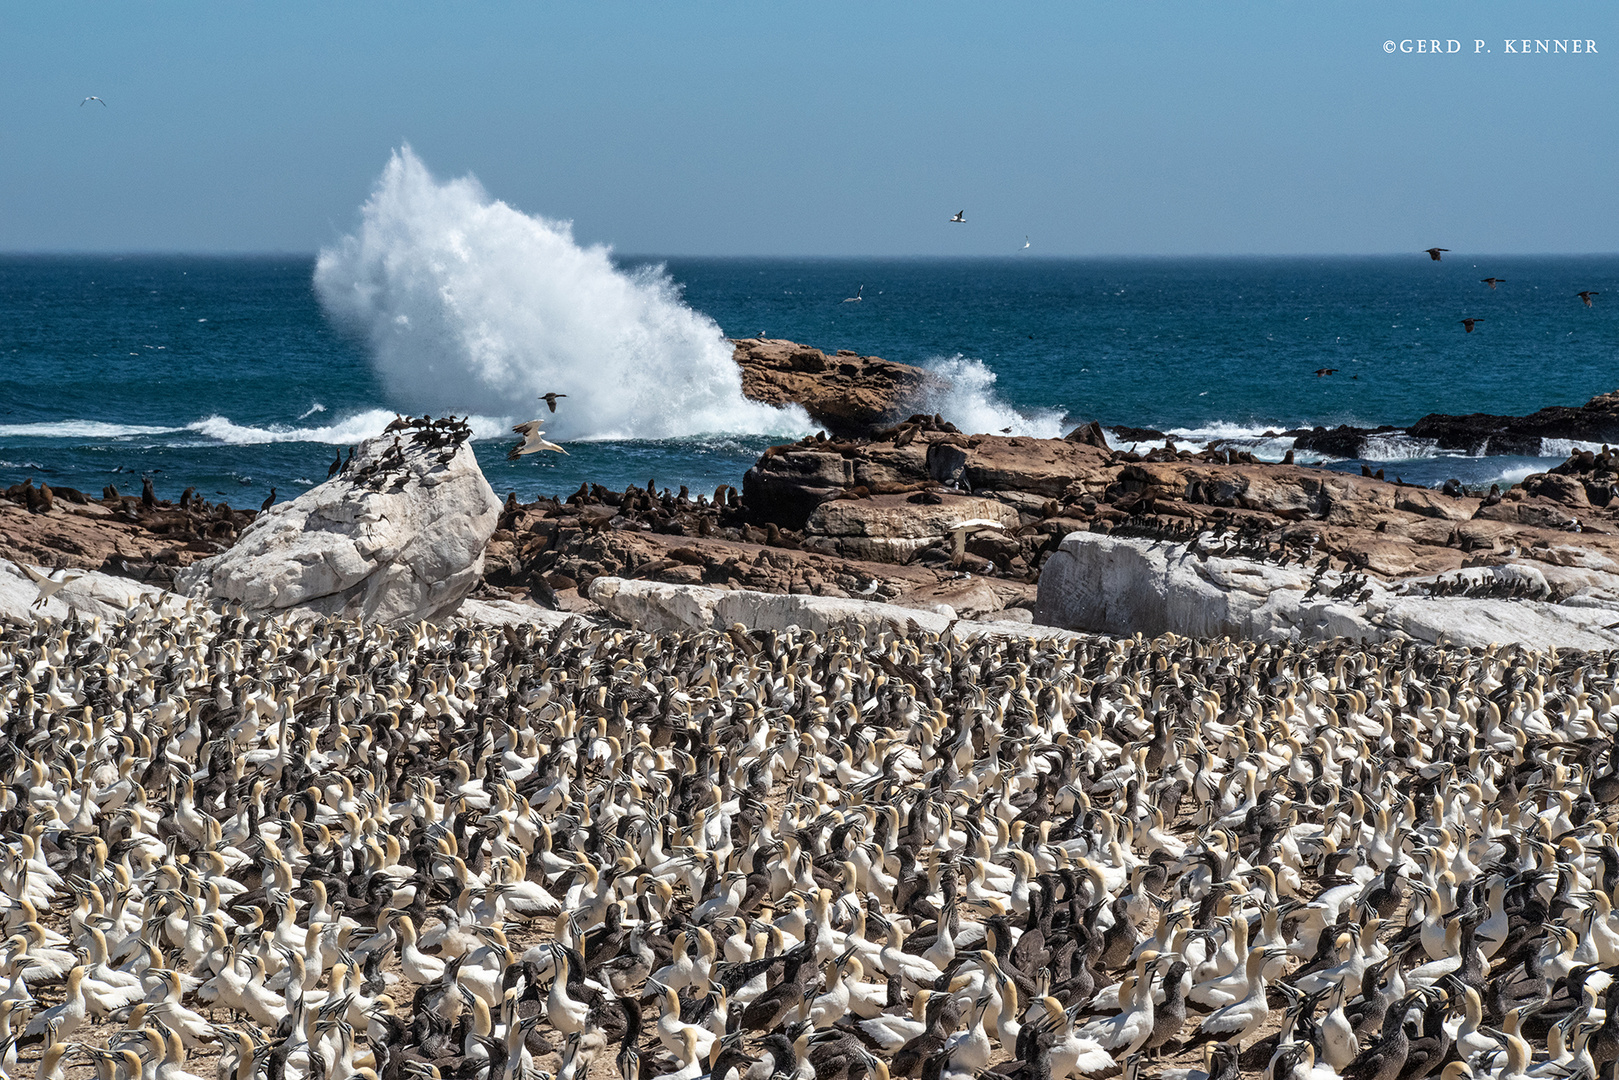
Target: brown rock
849	395
1090	434
1558	488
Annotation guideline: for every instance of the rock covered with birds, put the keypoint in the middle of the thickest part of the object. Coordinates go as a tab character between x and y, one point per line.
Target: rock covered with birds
1149	578
328	849
397	533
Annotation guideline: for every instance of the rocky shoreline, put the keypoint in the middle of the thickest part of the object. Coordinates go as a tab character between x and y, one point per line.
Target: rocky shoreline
1597	421
882	507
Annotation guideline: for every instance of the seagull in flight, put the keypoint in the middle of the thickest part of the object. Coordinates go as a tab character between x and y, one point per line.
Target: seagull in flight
91	98
1586	296
1025	246
48	585
551	399
855	299
1468	323
1492	282
1433	253
533	441
1319	372
960	218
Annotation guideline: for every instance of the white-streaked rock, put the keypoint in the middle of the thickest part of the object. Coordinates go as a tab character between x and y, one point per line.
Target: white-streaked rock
515	613
654	606
410	549
1103	584
94	594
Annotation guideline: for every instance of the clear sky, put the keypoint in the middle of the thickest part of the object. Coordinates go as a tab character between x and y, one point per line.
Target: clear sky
713	128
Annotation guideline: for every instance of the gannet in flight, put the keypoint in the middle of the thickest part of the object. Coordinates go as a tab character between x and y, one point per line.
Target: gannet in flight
48	586
533	441
958	536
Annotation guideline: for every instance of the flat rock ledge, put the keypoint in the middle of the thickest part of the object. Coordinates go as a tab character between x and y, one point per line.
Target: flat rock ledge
1125	585
93	596
655	606
398	535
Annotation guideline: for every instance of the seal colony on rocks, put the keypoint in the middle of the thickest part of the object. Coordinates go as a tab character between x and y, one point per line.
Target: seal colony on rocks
354	850
871	513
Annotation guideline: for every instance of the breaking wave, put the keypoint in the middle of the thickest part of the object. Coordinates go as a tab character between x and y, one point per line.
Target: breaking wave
966	397
469	305
221	429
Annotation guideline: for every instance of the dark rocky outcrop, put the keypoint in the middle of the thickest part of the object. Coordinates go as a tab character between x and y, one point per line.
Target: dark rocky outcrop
1596	421
1339	442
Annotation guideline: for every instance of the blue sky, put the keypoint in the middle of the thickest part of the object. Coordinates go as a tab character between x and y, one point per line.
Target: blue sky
819	129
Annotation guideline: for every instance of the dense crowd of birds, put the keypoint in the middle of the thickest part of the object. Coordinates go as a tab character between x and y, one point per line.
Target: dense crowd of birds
327	850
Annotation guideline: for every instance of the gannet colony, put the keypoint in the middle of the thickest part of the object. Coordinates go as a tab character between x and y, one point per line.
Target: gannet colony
354	841
329	849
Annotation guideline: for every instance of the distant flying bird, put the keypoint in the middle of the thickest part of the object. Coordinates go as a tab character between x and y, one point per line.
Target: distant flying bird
551	398
1325	371
49	586
960	218
533	441
855	299
1586	295
1469	324
1025	246
91	98
1492	282
1433	253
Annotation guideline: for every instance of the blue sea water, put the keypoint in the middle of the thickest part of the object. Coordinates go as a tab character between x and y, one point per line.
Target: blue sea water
232	376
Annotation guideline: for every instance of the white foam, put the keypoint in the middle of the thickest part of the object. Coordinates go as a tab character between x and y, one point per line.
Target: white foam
311	411
80	429
1566	448
1508	477
1391	446
969	401
344	432
1254	440
469	305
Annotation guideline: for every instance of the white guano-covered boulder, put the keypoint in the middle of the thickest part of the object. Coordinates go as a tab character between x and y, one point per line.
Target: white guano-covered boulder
1126	585
398	535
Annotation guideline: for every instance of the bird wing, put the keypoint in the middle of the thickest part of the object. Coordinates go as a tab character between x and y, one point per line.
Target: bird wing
528	427
34	575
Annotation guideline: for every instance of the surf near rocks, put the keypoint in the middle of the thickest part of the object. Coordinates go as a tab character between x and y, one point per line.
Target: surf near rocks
1597	421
